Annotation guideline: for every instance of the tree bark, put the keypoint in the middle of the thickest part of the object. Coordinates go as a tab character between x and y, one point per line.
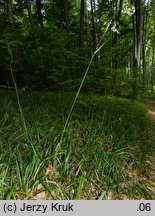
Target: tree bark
118	16
28	7
66	16
93	24
10	15
39	13
153	60
117	12
4	4
82	22
137	33
137	29
67	23
144	51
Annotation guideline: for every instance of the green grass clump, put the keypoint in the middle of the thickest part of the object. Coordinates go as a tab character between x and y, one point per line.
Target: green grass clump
104	146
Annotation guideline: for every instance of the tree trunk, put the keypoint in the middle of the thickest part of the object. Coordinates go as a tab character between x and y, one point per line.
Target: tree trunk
118	12
137	29
153	60
28	7
10	15
137	33
5	13
66	16
39	13
67	24
82	22
144	52
93	24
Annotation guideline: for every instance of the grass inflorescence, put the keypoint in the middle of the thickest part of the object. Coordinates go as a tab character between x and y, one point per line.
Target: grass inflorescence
102	153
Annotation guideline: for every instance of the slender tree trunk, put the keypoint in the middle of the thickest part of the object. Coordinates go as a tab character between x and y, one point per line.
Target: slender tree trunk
144	52
118	17
32	27
66	16
93	24
39	13
10	15
153	60
82	22
28	7
87	27
118	12
5	13
67	23
137	33
137	29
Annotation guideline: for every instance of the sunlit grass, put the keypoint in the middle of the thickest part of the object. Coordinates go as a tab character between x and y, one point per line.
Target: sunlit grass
103	151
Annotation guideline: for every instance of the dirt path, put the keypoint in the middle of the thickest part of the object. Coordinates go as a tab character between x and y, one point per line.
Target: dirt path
151	105
151	158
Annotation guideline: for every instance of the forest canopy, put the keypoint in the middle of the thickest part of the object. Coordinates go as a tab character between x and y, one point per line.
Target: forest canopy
48	44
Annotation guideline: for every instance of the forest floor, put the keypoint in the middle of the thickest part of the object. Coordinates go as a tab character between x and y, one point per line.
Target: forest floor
105	152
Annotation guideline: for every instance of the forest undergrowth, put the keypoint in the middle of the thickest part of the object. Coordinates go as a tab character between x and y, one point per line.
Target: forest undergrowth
103	153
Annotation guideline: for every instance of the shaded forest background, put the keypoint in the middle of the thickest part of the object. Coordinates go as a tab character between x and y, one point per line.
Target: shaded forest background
48	44
71	145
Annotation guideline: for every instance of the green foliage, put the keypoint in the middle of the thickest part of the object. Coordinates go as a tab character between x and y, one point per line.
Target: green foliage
105	138
49	57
